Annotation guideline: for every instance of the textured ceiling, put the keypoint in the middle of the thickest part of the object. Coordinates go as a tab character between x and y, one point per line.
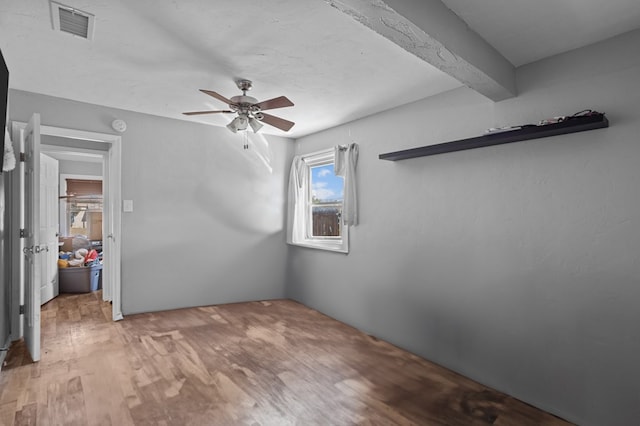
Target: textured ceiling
152	56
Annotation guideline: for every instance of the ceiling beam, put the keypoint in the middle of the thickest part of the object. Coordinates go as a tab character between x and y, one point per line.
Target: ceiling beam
433	33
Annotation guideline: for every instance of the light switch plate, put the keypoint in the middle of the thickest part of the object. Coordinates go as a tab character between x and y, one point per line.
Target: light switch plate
127	206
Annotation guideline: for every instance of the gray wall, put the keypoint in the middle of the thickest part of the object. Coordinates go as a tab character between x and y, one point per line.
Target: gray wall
5	290
516	265
68	167
73	167
72	143
208	216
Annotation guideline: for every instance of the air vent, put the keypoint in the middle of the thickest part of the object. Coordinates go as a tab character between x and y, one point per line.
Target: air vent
71	20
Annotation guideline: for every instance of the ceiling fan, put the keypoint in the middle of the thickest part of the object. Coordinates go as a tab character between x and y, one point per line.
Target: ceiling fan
249	110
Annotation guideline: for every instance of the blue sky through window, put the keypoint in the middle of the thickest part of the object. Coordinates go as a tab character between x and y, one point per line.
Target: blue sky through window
325	185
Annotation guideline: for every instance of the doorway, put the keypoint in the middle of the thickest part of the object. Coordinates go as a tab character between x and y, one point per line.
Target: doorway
112	217
78	210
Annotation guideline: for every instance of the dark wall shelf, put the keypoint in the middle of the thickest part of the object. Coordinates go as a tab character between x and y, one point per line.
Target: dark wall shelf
572	125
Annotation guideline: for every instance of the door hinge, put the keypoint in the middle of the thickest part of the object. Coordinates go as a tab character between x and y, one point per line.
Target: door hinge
23	157
23	233
21	311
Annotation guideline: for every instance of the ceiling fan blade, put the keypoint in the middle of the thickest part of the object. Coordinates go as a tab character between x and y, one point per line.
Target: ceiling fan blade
206	112
279	102
217	96
278	122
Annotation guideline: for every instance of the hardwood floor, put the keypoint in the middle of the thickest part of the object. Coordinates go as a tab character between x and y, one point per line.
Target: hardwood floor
258	363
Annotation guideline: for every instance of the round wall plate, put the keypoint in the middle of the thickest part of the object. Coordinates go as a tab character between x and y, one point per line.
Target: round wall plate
119	125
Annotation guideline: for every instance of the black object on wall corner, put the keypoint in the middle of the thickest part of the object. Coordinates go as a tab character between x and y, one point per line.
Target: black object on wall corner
4	92
5	290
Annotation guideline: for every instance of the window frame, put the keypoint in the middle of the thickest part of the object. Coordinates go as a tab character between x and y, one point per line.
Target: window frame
337	244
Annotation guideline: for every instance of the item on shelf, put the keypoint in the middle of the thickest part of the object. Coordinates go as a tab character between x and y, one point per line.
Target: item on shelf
501	129
585	113
553	120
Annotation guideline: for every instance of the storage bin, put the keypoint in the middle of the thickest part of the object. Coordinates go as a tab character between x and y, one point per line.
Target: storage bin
99	268
82	279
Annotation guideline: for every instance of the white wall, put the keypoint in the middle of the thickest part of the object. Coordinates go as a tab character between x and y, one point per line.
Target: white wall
517	265
208	216
69	167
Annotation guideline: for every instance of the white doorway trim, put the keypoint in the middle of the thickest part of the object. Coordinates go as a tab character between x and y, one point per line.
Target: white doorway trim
112	211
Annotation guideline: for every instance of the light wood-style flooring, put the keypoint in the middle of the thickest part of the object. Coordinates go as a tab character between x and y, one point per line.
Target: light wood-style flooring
257	363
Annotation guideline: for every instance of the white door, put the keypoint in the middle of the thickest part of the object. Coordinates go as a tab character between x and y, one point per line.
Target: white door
49	201
111	230
33	246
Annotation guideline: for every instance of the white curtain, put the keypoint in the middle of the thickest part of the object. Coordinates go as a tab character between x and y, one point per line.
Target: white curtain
295	196
9	158
346	160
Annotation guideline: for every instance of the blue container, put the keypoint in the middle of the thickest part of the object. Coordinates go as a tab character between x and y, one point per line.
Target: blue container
95	276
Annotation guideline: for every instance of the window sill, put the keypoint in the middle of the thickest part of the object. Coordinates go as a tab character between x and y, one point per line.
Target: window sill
338	247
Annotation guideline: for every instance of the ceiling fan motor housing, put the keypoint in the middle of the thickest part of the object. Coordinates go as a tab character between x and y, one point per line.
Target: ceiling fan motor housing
244	100
244	104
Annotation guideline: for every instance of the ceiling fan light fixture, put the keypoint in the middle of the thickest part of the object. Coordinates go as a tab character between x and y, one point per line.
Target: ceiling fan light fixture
238	124
255	125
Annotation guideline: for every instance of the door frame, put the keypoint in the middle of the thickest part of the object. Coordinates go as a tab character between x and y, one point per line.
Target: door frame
113	217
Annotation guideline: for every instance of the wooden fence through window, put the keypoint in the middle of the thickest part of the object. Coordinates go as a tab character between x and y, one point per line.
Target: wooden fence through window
326	222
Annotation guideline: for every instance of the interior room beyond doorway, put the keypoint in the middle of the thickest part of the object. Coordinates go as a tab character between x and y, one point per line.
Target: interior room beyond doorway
80	216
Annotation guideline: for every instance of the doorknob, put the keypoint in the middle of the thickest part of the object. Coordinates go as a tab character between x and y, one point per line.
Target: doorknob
28	250
40	249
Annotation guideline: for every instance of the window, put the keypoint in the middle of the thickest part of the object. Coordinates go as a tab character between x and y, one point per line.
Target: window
325	202
318	204
81	208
